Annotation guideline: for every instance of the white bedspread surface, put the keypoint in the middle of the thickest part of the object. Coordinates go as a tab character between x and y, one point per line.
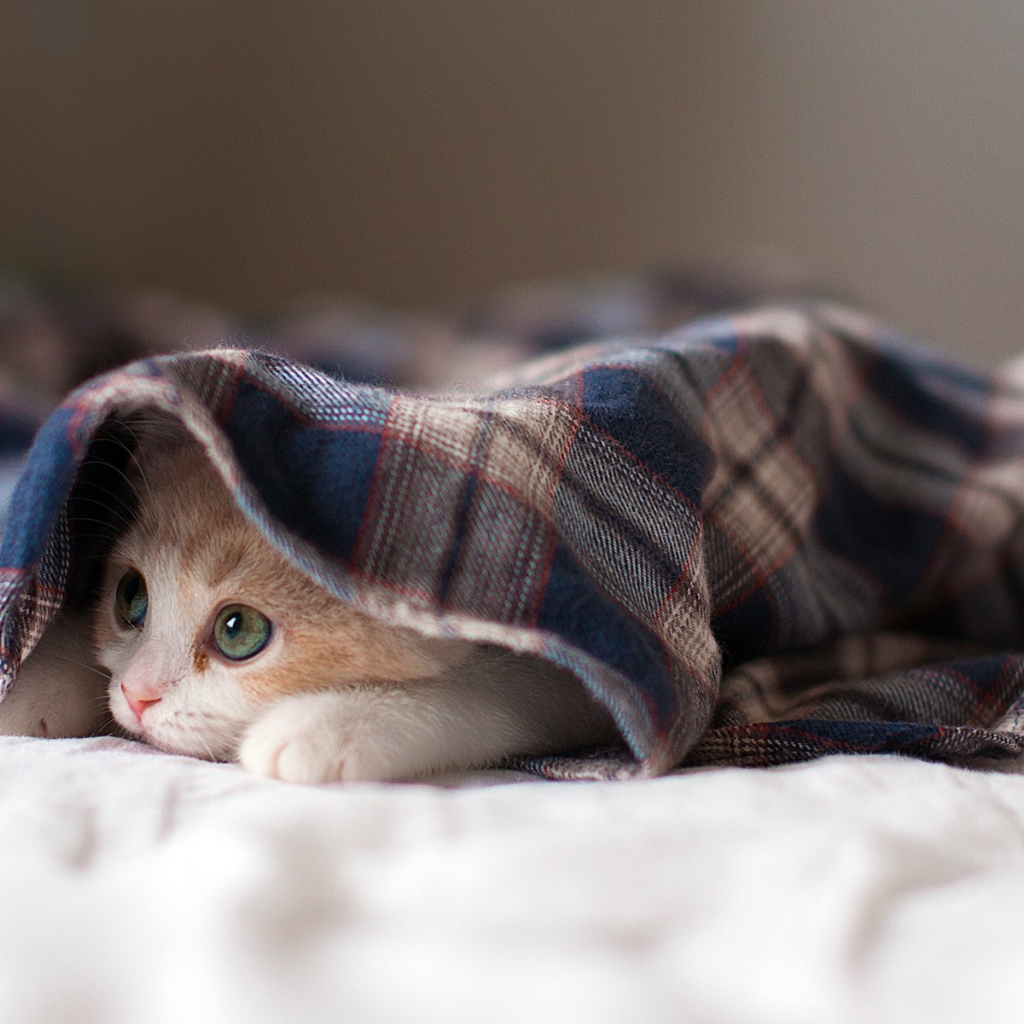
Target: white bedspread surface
141	887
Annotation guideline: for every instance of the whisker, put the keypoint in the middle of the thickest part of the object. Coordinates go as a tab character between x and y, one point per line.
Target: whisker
153	422
132	456
92	519
124	476
93	536
80	664
96	501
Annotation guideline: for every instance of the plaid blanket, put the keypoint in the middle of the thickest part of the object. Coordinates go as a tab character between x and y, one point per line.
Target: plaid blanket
759	538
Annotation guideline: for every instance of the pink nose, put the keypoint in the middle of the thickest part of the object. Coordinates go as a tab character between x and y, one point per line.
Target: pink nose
139	700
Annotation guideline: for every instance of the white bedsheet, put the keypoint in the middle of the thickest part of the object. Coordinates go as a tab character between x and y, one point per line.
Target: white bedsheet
141	887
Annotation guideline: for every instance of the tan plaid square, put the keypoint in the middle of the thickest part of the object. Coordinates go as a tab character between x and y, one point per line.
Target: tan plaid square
524	439
684	621
595	515
761	493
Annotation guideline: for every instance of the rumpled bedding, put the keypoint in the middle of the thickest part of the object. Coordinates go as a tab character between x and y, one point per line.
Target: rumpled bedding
144	888
758	538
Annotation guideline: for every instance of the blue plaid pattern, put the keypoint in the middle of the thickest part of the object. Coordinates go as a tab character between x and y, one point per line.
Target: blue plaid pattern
760	538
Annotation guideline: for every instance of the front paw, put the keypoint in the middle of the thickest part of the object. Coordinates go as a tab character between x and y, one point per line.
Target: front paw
316	737
295	741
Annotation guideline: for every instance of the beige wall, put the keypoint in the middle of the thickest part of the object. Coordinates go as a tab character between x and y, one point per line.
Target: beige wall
247	151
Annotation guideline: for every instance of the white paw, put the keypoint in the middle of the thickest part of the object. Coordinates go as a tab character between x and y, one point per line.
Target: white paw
315	737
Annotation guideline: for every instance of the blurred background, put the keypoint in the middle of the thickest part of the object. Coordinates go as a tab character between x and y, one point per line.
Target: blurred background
245	153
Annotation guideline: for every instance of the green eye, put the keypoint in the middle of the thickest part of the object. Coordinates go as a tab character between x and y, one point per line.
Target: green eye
240	632
131	598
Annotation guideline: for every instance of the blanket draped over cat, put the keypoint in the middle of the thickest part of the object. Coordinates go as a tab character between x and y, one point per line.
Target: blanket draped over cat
760	538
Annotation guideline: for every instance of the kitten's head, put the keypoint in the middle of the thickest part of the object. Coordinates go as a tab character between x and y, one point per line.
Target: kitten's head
203	623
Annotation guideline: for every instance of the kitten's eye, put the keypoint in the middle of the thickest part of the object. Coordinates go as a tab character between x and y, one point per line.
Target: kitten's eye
131	598
240	632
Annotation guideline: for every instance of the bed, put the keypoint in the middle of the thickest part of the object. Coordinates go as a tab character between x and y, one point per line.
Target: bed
149	887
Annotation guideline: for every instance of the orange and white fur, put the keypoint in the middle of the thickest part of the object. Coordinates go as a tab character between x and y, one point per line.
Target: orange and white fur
326	694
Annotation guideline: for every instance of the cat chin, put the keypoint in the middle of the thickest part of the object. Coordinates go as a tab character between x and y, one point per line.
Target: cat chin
176	731
182	744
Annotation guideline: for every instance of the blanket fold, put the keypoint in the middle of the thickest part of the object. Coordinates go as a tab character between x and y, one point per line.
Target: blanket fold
759	538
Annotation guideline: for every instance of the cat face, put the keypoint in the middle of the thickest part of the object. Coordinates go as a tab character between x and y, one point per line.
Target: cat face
172	682
203	624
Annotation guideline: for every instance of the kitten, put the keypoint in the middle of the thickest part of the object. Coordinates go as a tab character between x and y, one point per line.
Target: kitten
217	646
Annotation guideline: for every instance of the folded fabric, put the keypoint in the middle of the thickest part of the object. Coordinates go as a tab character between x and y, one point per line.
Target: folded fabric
759	538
